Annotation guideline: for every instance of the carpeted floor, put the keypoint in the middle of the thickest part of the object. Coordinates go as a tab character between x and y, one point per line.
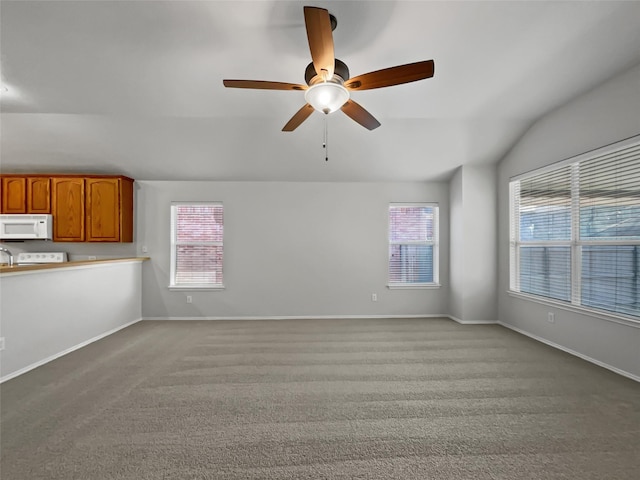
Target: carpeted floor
319	399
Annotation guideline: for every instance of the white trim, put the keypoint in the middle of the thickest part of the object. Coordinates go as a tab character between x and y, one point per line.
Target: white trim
619	371
514	236
413	286
607	243
544	243
434	243
601	314
301	317
473	322
323	317
626	149
174	243
64	352
198	288
576	248
414	204
436	246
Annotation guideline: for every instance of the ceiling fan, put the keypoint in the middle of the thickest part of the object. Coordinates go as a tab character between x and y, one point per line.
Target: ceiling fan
328	84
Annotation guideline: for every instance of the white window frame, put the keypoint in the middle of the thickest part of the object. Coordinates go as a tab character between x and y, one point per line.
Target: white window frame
514	232
173	247
435	243
576	243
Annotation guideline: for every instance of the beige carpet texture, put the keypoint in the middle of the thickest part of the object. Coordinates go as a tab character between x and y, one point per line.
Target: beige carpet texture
319	399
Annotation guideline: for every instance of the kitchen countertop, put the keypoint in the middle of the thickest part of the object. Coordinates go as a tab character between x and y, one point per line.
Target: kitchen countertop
5	268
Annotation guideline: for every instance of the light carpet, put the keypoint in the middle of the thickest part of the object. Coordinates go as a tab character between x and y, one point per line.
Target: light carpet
319	399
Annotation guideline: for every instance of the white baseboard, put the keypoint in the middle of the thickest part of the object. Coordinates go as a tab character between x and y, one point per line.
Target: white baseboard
328	317
64	352
624	373
299	317
472	322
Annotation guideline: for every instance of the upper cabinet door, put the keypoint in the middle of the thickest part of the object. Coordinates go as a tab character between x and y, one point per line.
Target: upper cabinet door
14	195
68	209
103	209
38	195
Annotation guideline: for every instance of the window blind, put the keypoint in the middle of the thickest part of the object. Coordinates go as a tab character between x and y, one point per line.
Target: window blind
413	250
609	229
545	206
575	231
544	229
197	244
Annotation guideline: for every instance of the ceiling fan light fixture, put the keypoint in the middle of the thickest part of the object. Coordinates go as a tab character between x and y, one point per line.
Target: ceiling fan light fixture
327	97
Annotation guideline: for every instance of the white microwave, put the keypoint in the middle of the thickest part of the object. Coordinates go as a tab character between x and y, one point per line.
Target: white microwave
26	227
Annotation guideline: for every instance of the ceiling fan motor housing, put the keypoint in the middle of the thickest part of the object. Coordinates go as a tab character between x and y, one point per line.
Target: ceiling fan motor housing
340	69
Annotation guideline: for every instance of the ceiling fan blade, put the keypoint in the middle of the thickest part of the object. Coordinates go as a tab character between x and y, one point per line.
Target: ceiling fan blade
356	112
300	116
263	85
320	38
392	76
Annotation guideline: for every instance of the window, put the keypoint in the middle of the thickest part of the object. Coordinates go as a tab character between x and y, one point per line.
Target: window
413	245
196	245
575	231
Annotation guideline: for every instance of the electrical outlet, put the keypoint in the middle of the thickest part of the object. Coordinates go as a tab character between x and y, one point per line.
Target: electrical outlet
551	317
189	299
1	343
145	249
374	297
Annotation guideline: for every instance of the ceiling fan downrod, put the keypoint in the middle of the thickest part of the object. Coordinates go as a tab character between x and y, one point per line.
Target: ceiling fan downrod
325	144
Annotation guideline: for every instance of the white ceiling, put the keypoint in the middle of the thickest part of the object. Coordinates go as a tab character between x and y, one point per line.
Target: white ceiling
135	87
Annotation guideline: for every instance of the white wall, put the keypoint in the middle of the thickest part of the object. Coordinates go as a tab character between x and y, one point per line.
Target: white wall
48	312
291	249
456	261
473	199
605	115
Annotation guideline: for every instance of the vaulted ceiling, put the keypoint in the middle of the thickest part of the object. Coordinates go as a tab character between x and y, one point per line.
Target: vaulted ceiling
135	87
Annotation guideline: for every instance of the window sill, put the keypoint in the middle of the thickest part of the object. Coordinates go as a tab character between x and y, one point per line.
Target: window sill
414	286
199	288
602	314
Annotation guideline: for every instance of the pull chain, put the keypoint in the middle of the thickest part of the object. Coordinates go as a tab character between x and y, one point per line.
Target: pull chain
325	144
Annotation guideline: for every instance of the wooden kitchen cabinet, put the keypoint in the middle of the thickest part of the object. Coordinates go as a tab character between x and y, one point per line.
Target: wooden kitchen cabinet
26	194
85	208
68	210
14	195
109	209
38	195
